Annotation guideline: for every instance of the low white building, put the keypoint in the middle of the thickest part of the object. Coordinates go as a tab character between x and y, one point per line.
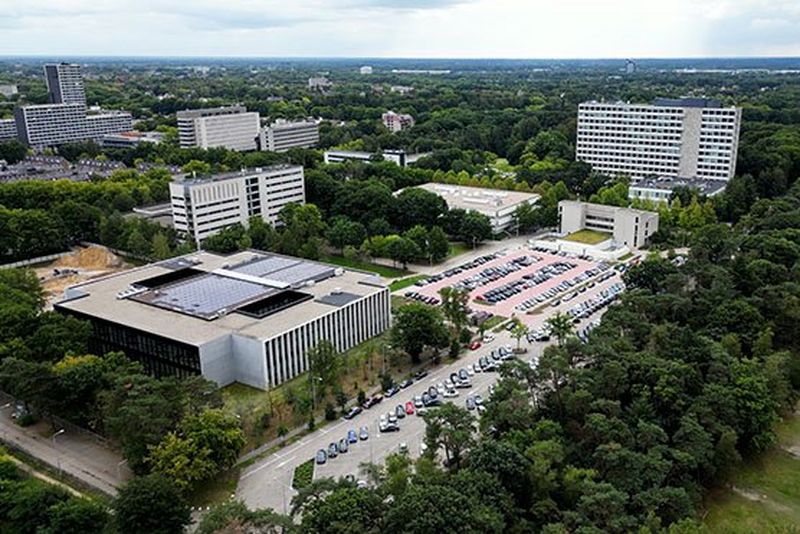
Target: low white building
319	83
203	206
629	227
660	189
398	157
366	69
497	204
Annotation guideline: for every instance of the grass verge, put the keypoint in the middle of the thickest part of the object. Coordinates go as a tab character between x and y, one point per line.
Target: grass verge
303	474
386	272
406	282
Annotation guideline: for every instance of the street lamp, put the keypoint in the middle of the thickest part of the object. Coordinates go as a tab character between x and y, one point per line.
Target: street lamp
56	435
120	464
314	393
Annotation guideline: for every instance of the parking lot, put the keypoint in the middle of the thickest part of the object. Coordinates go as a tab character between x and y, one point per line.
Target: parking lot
267	483
514	283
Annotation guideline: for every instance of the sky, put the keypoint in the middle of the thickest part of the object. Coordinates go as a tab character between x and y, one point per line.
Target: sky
395	28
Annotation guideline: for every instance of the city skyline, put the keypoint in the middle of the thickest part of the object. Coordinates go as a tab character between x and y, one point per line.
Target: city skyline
420	28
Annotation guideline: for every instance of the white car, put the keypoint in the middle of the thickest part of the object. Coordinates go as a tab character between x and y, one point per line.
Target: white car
450	393
470	370
488	338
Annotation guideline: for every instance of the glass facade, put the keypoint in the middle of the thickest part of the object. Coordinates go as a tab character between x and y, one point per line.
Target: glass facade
160	356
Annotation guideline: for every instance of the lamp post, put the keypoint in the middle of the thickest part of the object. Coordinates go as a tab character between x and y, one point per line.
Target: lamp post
314	393
58	433
58	454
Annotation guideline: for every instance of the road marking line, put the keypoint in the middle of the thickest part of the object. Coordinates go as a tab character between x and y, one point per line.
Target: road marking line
286	461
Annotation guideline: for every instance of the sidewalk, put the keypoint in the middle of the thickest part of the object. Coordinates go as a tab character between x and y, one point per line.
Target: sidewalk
78	455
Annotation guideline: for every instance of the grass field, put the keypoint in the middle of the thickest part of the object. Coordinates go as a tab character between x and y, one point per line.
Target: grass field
406	282
588	237
387	272
303	474
765	493
457	248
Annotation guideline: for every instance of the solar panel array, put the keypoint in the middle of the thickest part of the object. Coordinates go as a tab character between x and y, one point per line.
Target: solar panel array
208	295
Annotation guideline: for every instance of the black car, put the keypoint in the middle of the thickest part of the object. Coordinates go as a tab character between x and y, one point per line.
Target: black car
421	374
391	392
404	385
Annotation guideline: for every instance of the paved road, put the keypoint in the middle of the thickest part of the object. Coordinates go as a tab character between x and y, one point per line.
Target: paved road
76	454
267	483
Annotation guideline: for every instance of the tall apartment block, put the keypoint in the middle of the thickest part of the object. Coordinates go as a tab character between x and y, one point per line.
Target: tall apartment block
203	206
396	122
64	83
230	127
686	137
282	135
8	129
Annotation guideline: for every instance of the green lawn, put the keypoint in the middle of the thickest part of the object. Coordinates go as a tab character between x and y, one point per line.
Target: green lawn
406	282
387	272
588	237
457	248
768	496
303	474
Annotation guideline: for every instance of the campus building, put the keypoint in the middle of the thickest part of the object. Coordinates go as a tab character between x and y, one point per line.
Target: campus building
661	189
55	124
8	129
398	157
203	206
282	135
686	137
64	84
250	317
498	205
396	122
230	127
625	226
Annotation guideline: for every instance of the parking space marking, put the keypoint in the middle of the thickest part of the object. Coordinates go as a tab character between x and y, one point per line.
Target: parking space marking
286	461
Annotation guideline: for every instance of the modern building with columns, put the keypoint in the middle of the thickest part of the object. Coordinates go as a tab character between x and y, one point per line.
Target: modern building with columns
249	317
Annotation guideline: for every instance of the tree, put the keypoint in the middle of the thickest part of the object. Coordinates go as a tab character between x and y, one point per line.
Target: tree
13	151
344	232
451	428
77	516
324	362
151	504
403	250
417	326
454	307
475	228
438	245
519	332
234	516
182	460
560	326
160	246
196	167
347	509
416	206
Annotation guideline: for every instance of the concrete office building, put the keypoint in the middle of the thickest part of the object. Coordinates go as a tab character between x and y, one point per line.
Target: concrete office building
282	135
687	137
55	124
8	90
660	189
8	129
398	157
498	205
64	84
230	127
626	226
203	206
250	317
396	122
319	83
130	139
366	69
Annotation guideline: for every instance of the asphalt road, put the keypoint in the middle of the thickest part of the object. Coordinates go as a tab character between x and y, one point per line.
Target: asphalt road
267	483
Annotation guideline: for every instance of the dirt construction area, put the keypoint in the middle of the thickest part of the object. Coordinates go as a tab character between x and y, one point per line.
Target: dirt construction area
502	284
83	264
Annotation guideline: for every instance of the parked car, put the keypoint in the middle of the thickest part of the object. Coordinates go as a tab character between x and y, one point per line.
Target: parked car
409	408
352	437
470	403
322	456
418	401
363	434
406	383
400	411
333	450
391	392
475	345
354	411
343	446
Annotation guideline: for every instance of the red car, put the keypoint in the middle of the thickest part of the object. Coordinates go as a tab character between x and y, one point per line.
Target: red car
475	345
410	408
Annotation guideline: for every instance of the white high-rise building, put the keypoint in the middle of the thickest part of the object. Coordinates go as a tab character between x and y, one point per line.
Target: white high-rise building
231	127
202	206
396	122
8	129
64	83
686	137
282	135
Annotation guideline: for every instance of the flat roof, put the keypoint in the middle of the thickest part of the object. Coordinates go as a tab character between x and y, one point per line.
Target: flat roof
195	298
219	177
488	201
668	183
